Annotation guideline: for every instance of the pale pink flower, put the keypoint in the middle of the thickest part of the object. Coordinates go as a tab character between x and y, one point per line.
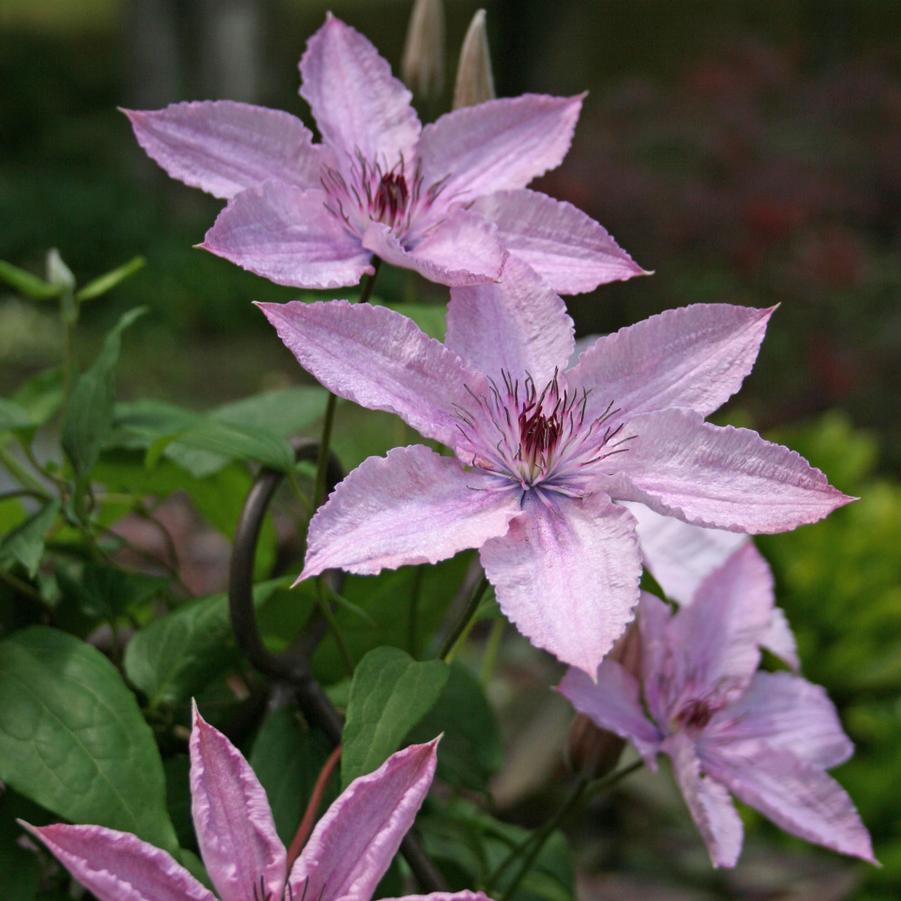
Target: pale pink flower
347	854
768	738
681	556
543	454
448	201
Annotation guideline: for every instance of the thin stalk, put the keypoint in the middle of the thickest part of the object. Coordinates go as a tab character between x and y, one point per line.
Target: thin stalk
329	617
309	817
22	475
413	626
492	647
17	584
464	624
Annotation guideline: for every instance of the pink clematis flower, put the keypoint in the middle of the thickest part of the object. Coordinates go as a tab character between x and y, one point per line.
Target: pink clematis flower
448	201
681	556
766	737
347	854
543	455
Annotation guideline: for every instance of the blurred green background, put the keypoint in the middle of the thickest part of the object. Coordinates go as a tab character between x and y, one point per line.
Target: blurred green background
745	151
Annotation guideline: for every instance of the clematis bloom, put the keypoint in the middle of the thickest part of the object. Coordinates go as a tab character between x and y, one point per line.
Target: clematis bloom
768	738
448	201
543	454
346	855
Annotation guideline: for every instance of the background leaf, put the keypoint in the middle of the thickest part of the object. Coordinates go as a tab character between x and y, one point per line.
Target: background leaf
73	740
26	542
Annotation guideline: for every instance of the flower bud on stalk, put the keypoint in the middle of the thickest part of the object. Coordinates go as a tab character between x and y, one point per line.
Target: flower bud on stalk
592	752
475	81
423	62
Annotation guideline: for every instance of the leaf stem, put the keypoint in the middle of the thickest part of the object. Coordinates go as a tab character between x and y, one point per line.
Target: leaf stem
22	475
309	816
329	616
463	625
489	660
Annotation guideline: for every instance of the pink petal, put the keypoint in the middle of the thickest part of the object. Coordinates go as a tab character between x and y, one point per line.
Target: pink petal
497	145
379	359
461	249
444	896
680	556
718	635
223	147
661	674
517	324
795	794
286	234
694	357
232	819
353	844
567	248
411	506
118	866
720	477
709	804
612	702
779	640
566	575
781	710
356	101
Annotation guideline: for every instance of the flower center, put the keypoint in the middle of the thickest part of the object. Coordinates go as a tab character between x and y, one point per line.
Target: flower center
531	438
696	714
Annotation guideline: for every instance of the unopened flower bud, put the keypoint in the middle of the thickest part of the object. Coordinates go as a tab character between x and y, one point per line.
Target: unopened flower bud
593	752
475	81
423	62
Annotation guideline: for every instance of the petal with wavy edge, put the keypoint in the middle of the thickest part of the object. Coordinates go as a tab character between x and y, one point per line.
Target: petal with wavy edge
356	101
566	247
223	147
410	506
118	866
353	844
566	575
460	249
612	702
718	635
794	793
232	819
709	804
719	476
694	357
286	234
497	145
782	710
517	325
379	359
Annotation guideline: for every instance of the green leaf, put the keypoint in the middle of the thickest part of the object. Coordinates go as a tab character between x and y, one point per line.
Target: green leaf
104	592
41	395
429	317
177	655
283	412
73	740
12	416
26	283
89	415
26	542
471	750
391	692
287	756
103	283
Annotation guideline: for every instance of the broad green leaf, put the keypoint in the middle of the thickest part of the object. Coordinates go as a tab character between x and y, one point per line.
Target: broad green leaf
287	756
391	692
26	283
106	282
104	592
284	412
13	416
175	656
73	740
471	750
89	415
26	542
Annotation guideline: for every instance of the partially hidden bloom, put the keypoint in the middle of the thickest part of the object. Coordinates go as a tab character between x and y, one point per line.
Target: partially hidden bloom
681	556
448	201
347	854
543	453
768	738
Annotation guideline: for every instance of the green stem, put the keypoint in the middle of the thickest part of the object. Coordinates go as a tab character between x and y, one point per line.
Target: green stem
489	660
17	584
329	616
463	625
413	627
22	475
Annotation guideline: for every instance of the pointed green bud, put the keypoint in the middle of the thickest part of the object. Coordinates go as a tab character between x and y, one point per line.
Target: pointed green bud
423	62
475	81
58	273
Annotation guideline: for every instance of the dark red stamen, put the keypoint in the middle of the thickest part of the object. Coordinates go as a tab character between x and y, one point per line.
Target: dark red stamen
695	714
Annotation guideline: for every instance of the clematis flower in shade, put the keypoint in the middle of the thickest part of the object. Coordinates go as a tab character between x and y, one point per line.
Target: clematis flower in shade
448	201
347	854
681	556
768	738
543	455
